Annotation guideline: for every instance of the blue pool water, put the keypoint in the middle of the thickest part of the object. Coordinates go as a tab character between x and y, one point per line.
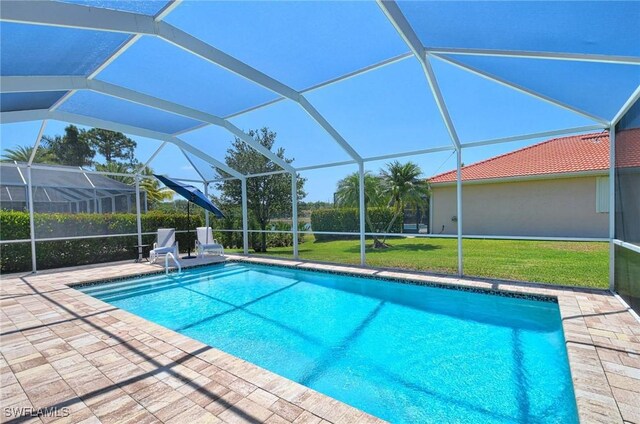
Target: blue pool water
402	352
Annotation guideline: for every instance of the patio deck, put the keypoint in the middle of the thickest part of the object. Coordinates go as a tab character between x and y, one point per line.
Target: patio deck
77	359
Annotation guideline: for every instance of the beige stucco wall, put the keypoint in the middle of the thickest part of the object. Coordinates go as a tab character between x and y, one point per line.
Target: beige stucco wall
544	208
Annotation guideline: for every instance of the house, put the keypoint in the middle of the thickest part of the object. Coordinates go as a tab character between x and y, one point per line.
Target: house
557	188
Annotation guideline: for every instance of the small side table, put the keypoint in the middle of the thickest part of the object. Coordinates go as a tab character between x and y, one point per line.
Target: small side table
143	252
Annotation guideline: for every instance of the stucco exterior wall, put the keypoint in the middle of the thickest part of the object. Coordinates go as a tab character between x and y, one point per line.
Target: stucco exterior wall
543	208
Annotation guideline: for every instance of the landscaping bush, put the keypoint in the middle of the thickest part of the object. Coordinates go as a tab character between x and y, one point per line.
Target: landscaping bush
16	257
348	220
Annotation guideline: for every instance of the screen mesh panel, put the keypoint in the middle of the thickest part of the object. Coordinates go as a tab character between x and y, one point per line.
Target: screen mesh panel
178	76
298	43
303	139
137	6
482	109
120	111
627	276
43	50
10	102
388	110
576	27
597	88
627	261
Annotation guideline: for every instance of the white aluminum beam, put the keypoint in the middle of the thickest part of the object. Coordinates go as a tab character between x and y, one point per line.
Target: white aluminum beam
156	153
142	132
402	26
54	83
32	225
206	211
520	88
123	48
193	165
362	214
523	54
294	213
552	133
411	153
459	211
327	83
138	217
202	155
245	217
612	206
36	145
627	105
78	16
23	116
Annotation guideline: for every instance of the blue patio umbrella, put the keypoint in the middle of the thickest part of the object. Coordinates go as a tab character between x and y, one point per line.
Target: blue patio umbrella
193	195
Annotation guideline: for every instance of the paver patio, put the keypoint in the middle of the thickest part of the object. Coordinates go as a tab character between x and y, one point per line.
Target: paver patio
77	359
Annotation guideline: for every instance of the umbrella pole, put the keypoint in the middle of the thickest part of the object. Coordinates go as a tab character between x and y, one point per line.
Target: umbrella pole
188	231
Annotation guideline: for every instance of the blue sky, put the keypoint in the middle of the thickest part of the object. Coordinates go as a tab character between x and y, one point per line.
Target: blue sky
383	111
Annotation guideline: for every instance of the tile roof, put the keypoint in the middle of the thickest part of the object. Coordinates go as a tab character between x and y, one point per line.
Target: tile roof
579	153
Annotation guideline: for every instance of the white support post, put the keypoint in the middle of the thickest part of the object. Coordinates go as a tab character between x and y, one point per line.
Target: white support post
37	143
206	212
32	225
138	217
113	204
294	212
612	205
362	211
459	209
245	218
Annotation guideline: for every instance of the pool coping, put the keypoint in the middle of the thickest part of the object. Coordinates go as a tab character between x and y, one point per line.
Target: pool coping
397	280
602	340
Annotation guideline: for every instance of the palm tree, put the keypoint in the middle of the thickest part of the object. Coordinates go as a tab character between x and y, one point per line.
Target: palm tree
152	186
403	187
117	168
23	154
348	194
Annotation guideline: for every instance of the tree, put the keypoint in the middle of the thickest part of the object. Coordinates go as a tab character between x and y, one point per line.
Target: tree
116	168
267	195
112	145
152	187
71	148
348	194
23	154
403	187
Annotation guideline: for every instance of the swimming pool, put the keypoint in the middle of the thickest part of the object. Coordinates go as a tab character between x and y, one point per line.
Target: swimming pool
403	352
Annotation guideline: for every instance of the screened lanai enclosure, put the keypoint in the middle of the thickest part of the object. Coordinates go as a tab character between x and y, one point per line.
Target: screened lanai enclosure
348	87
64	189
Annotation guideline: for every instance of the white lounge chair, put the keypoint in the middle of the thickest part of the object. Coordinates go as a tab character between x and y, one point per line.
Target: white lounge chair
206	242
166	244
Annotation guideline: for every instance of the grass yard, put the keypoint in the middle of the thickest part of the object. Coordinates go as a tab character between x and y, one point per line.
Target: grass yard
584	264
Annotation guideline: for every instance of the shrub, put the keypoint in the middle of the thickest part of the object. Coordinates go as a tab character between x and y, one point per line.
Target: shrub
347	220
16	257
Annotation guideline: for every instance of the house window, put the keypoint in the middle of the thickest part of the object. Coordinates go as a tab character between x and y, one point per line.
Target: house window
602	195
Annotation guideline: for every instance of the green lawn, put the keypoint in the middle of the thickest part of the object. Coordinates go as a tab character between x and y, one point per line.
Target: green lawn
584	264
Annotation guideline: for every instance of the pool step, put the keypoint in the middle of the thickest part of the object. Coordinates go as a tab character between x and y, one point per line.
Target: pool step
149	278
138	286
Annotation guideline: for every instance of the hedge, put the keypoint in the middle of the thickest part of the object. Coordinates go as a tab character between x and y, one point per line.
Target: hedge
347	220
16	257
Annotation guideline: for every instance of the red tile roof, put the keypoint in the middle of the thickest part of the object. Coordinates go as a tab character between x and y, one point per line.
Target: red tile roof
579	153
